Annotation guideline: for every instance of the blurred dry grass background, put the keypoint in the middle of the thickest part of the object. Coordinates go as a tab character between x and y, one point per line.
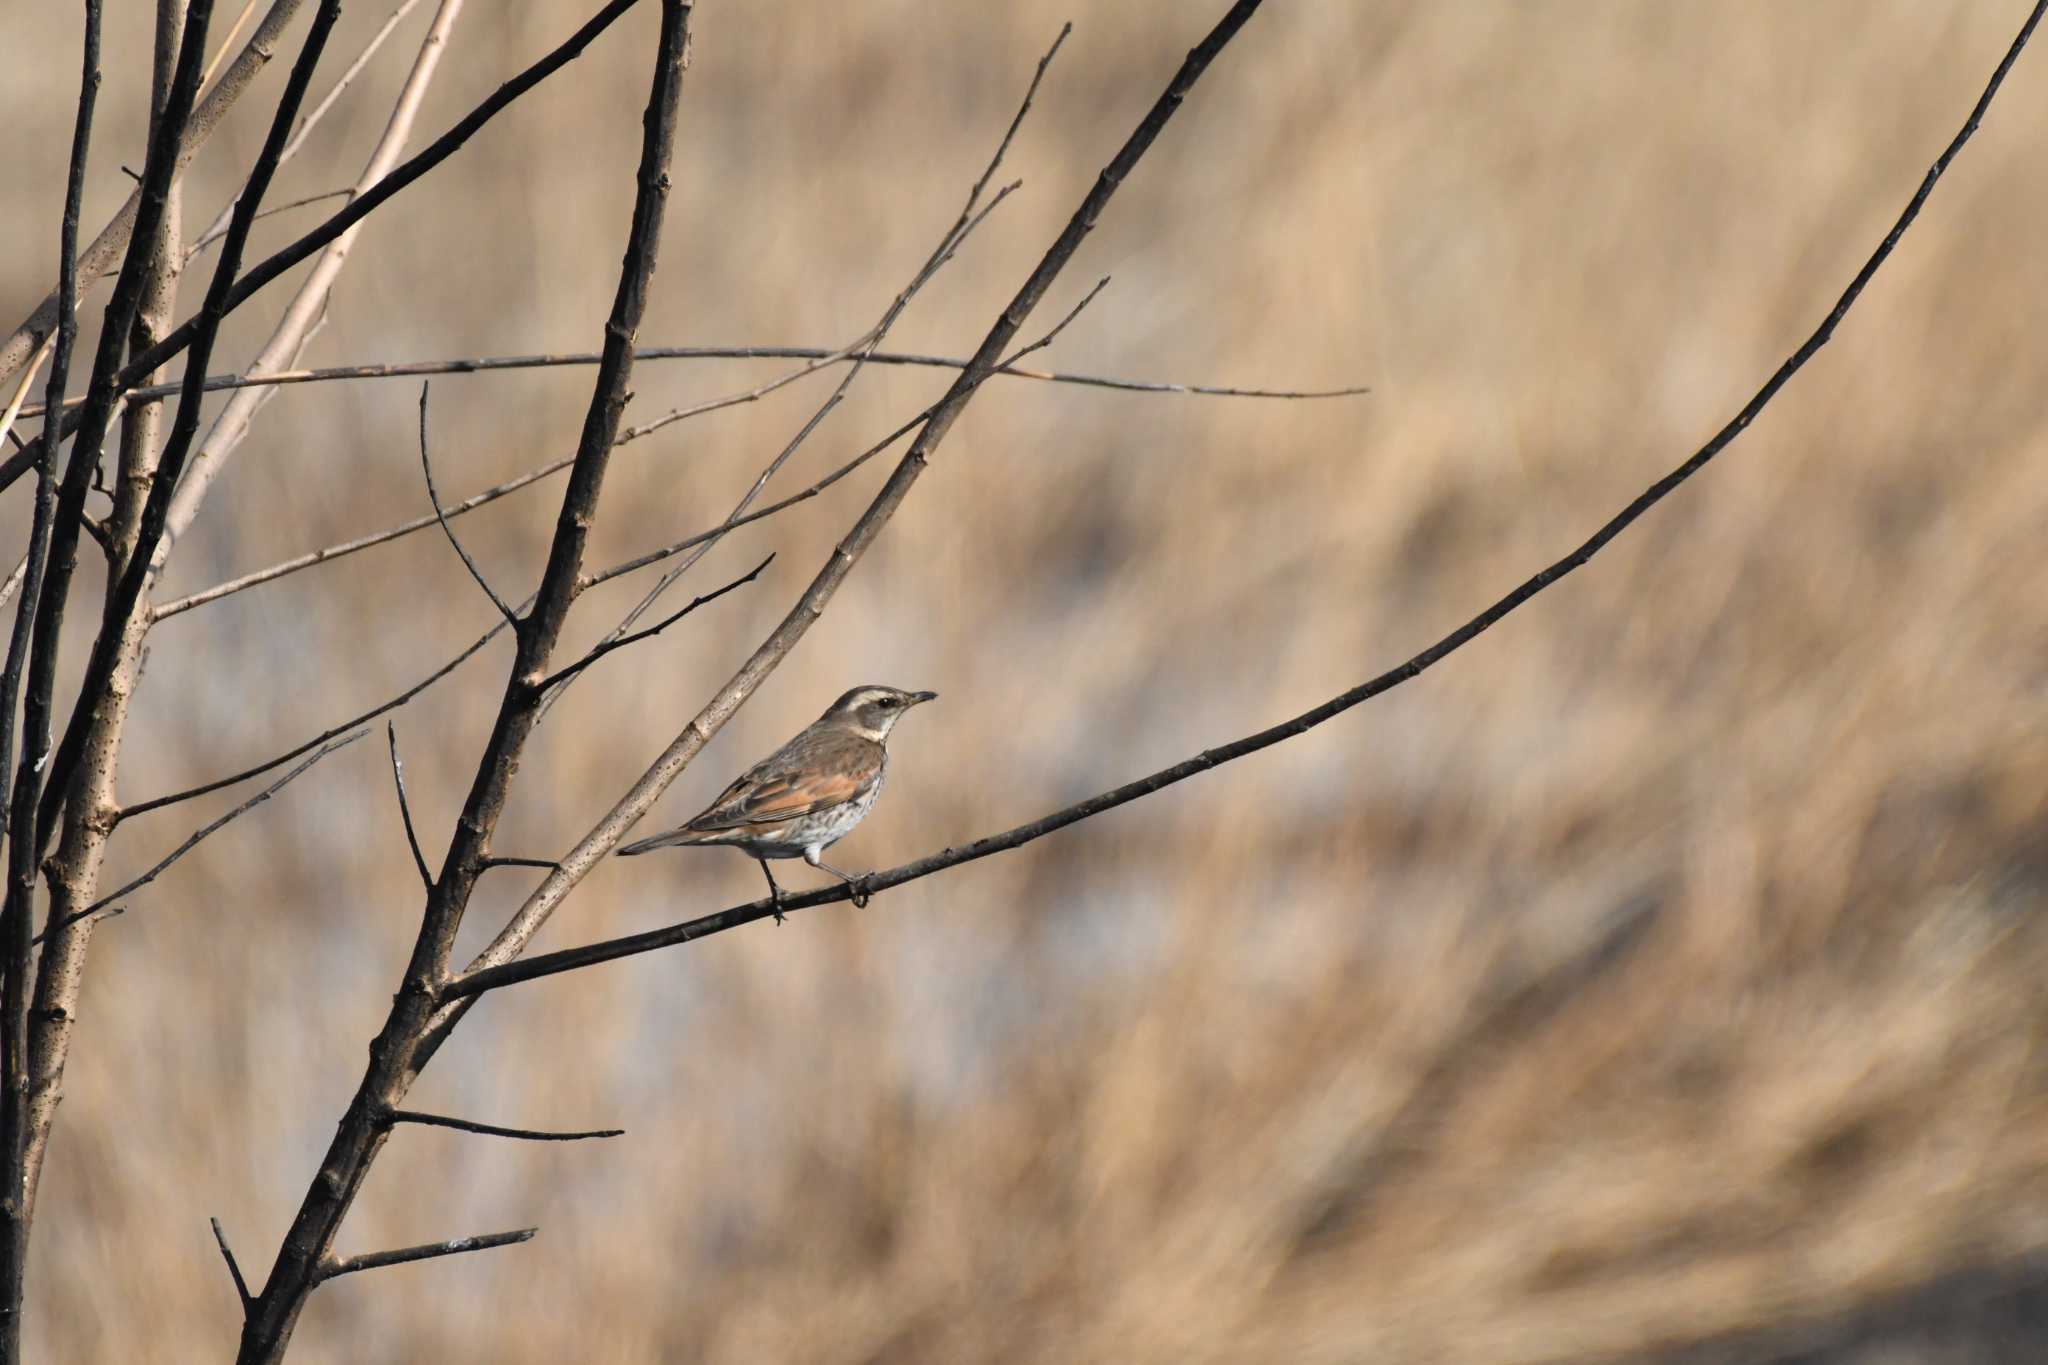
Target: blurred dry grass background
1661	976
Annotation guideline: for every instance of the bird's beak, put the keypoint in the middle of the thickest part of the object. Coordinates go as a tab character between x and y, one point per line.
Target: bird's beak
920	698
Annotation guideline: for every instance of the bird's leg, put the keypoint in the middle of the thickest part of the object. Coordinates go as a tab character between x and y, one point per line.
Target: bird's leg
774	891
854	884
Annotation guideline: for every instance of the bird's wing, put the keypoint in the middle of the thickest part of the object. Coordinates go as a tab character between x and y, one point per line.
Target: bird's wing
810	773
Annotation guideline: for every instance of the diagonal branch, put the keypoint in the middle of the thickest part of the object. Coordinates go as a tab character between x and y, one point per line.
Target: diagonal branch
405	808
205	832
495	1130
376	1260
621	641
490	976
234	1269
427	468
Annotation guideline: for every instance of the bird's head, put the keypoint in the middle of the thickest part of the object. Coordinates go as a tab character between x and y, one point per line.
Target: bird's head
874	710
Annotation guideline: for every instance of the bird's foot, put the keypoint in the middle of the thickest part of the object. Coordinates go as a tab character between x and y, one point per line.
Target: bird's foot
862	893
775	906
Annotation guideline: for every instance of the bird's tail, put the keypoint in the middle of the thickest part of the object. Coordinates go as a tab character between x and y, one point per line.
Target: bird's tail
670	839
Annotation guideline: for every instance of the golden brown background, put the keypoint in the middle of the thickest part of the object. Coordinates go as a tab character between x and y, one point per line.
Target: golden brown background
1661	978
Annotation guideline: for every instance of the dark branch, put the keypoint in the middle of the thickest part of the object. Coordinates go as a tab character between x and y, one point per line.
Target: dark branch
405	808
495	1130
491	862
241	1285
376	1260
427	468
31	650
1061	325
657	628
481	979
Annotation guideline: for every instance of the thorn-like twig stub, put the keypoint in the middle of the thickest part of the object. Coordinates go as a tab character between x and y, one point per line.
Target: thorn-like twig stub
427	1251
235	1270
405	808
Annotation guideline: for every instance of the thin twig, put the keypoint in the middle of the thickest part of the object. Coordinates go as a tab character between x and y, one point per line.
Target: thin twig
1061	325
241	1285
207	830
28	379
483	976
405	808
349	1265
621	641
822	357
427	468
13	582
495	861
495	1130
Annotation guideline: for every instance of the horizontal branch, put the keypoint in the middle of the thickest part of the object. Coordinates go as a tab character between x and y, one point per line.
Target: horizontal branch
486	978
426	1251
494	1130
485	364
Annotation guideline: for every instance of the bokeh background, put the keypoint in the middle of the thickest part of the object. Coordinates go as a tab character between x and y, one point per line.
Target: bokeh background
1658	979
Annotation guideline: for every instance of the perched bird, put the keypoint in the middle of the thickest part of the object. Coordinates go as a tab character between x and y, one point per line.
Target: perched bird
808	794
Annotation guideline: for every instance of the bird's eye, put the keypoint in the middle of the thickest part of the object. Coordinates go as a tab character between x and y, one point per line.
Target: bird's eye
887	701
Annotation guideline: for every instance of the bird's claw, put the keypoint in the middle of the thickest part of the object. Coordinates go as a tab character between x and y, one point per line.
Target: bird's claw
861	893
775	906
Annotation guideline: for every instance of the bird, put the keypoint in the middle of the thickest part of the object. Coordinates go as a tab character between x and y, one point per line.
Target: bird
807	795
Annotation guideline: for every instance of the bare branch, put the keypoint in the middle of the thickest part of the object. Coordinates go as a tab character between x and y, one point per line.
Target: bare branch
489	364
1061	325
31	651
7	589
494	1130
427	468
241	1285
405	808
621	641
349	1265
495	861
484	976
208	830
28	379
